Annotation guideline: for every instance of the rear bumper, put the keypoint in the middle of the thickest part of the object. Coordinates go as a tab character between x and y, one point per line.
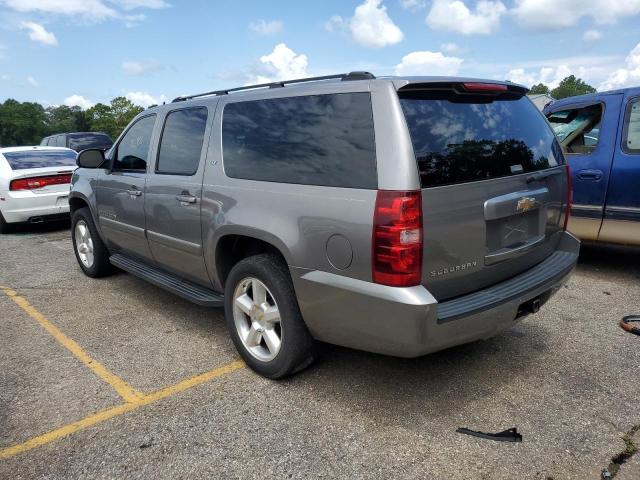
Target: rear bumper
29	206
409	322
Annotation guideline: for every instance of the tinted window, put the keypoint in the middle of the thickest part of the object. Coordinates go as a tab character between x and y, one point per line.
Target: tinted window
632	138
40	158
89	140
133	149
457	140
577	129
181	143
315	140
61	141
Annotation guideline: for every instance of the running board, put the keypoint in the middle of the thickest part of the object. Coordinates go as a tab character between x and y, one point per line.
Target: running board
183	288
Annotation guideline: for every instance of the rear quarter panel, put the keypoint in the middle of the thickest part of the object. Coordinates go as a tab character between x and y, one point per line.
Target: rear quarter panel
299	220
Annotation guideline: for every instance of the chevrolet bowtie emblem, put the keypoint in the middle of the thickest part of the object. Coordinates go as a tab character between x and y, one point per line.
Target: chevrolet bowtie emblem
525	204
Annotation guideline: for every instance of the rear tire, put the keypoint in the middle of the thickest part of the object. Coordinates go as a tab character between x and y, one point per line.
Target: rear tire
4	226
91	253
263	317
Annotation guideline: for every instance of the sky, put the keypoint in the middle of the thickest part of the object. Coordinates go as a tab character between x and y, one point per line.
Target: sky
80	52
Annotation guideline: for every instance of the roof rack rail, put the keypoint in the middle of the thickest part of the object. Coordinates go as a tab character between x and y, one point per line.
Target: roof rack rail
342	76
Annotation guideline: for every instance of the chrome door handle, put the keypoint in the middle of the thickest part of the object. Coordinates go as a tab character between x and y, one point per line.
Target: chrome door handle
135	193
186	198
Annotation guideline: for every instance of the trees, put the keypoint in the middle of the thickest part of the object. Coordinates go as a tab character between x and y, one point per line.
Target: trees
571	86
27	123
21	123
540	88
568	87
112	118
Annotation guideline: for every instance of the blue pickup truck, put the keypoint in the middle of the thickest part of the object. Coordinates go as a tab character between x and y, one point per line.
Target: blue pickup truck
600	136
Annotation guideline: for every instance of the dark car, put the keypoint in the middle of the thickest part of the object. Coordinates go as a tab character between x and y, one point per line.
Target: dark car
79	141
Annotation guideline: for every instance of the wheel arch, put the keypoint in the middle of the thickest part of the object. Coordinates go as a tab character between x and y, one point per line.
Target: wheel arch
235	245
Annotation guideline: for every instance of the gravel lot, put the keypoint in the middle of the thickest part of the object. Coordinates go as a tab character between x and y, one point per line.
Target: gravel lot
567	378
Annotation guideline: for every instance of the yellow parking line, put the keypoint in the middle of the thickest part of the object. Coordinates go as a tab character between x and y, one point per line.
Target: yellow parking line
103	415
126	391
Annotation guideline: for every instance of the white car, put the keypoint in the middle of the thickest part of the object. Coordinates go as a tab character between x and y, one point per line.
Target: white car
34	184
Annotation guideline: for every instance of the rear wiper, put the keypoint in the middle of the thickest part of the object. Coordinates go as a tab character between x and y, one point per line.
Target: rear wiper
538	177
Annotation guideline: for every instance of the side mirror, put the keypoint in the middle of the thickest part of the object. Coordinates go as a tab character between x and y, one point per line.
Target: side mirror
90	158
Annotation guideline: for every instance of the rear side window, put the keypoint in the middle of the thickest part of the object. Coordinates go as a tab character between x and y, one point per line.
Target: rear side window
40	159
90	140
182	140
133	149
577	129
459	140
314	140
61	141
632	127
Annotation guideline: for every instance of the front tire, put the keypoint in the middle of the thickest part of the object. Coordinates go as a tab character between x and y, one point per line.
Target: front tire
263	317
91	253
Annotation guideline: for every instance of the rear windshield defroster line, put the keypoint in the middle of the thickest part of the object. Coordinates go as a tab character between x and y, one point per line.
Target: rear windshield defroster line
459	140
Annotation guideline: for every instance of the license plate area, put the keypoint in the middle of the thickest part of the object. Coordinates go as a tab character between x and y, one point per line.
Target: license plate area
512	231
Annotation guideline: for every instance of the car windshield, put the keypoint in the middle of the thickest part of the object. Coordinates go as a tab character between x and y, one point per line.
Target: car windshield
89	140
40	159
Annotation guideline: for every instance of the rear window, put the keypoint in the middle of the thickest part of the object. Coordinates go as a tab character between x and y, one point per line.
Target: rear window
39	159
92	140
314	140
457	140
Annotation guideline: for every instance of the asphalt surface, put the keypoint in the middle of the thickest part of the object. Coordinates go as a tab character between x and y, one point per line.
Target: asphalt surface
566	377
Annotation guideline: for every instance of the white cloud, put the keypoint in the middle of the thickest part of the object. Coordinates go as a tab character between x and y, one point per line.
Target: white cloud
39	34
452	48
144	99
89	9
335	23
413	4
78	101
137	68
428	63
625	77
550	76
591	35
455	16
281	64
132	4
32	81
372	27
557	14
263	27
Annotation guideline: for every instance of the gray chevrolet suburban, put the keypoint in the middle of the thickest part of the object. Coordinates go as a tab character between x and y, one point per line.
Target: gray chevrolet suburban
394	215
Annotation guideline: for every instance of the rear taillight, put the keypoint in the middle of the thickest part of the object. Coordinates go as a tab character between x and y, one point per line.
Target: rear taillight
567	210
397	238
39	182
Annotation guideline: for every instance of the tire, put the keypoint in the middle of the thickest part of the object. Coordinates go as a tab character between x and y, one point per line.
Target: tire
296	349
99	265
4	226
